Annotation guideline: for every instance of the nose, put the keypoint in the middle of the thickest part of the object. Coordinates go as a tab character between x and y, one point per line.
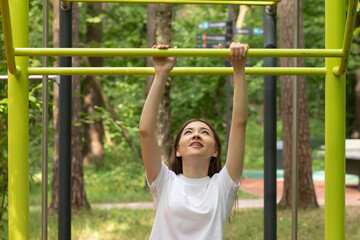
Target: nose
196	135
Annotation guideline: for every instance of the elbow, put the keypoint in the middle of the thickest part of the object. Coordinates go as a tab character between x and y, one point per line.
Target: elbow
242	122
144	130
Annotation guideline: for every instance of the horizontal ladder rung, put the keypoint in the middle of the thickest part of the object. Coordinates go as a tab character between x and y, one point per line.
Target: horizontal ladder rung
175	71
203	2
180	52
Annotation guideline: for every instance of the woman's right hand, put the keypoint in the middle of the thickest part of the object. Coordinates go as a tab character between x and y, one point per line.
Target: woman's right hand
163	64
238	53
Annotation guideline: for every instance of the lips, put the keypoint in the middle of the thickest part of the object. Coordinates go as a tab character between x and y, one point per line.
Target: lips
196	144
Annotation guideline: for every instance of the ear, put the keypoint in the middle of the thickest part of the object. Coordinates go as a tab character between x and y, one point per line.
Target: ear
215	154
178	154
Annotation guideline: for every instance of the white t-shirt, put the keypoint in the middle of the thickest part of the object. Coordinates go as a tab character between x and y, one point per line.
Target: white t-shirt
189	208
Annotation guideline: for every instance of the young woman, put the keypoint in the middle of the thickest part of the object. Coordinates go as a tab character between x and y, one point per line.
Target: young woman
194	199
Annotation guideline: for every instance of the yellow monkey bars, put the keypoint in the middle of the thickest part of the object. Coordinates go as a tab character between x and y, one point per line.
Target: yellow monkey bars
9	46
336	54
342	53
175	71
349	28
203	2
179	52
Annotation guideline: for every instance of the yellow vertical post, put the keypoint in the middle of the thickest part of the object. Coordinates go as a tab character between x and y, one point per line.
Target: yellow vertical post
334	125
18	127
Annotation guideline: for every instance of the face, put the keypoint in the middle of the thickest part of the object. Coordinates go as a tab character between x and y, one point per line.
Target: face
197	140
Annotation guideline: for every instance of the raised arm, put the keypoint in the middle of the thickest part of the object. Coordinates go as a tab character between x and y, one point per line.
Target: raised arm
236	149
149	144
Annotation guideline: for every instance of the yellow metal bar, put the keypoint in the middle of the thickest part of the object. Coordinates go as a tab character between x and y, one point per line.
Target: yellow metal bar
176	71
18	127
180	52
9	46
349	29
335	124
204	2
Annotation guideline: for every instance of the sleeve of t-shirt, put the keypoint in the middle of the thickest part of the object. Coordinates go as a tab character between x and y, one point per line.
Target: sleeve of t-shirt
159	183
226	182
228	188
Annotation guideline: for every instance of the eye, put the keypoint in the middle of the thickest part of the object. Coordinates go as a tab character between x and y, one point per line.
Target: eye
205	132
187	132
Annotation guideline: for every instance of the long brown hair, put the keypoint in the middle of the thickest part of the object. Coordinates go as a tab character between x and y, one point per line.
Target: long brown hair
215	162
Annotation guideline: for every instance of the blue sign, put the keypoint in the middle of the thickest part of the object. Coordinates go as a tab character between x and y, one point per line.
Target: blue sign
248	31
258	31
216	24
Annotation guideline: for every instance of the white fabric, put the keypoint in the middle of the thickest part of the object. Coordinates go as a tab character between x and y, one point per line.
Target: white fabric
191	208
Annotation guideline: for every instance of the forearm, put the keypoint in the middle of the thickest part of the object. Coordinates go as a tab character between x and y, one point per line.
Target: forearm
236	149
240	99
151	107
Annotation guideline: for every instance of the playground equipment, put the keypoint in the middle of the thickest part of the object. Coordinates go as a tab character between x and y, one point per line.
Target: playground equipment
338	36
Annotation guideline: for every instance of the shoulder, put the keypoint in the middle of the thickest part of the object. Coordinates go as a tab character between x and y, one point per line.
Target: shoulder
165	175
225	181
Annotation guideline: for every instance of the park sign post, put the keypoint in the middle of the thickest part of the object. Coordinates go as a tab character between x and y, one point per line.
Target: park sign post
207	45
248	31
211	37
208	40
215	24
223	24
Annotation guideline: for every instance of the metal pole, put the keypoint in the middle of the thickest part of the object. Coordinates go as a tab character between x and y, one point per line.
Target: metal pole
171	52
228	108
45	113
202	2
229	36
349	29
64	224
295	132
18	128
335	90
8	39
176	71
32	78
269	19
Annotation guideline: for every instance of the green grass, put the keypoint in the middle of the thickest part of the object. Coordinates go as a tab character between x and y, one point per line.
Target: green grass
114	182
247	224
109	194
242	194
99	224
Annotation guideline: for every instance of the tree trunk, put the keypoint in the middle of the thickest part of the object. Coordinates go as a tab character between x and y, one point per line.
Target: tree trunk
306	192
55	181
241	16
356	132
163	18
78	195
94	132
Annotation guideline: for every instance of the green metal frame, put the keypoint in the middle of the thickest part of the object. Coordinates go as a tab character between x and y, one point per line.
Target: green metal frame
175	71
338	36
201	2
346	43
9	45
18	122
179	52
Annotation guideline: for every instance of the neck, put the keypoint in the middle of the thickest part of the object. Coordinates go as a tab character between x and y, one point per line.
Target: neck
195	168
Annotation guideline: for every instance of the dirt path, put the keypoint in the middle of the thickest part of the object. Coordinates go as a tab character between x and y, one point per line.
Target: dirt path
256	186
